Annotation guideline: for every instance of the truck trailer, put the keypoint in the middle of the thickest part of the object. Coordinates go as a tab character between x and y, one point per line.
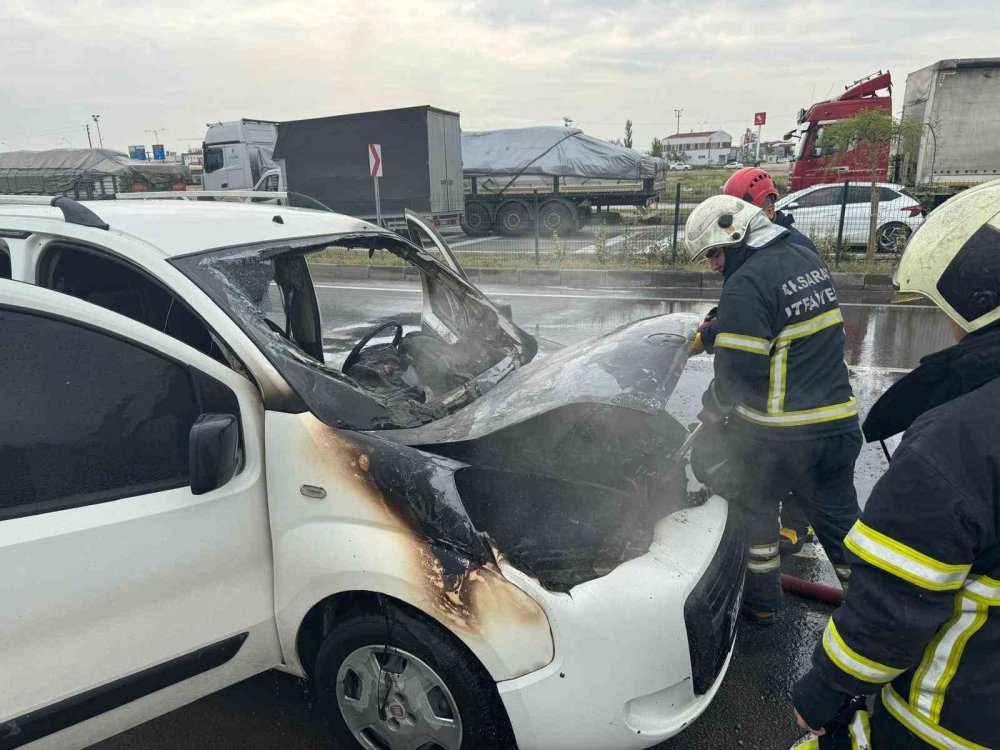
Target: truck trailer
555	176
957	101
327	159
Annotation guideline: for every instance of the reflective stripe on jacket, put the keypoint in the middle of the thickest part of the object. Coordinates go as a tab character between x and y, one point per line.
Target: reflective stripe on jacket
779	350
921	622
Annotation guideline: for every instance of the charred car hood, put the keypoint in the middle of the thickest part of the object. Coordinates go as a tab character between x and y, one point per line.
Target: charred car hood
636	367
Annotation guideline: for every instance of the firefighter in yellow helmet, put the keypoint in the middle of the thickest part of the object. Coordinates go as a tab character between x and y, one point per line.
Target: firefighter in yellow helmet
920	626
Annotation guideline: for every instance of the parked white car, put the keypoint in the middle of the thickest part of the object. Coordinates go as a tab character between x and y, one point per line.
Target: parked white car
734	165
679	166
463	544
817	212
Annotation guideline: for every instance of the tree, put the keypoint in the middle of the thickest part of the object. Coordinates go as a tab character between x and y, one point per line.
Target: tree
656	148
869	134
628	134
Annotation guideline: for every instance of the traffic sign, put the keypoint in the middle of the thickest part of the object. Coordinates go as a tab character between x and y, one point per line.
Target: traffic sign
375	159
159	153
760	118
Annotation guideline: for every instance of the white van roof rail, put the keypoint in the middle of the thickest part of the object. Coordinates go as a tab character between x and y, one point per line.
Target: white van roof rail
73	211
196	194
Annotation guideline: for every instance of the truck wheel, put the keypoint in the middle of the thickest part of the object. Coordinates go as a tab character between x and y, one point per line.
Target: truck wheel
477	221
513	219
556	216
394	681
892	237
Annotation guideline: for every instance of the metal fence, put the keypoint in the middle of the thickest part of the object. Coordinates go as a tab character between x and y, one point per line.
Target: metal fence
567	230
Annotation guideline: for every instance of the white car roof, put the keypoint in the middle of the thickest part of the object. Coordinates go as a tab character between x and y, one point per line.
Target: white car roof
179	227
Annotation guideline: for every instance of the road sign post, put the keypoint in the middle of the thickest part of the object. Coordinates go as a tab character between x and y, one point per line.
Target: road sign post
375	167
759	119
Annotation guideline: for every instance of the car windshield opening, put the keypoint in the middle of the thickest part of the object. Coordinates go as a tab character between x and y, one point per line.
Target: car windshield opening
392	360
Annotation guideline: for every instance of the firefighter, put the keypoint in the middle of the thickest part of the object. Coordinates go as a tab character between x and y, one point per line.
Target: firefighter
920	626
754	185
781	394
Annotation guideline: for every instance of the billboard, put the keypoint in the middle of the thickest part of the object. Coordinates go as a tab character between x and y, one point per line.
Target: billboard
137	152
159	153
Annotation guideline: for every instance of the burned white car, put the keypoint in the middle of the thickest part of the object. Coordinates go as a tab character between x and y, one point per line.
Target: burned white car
462	543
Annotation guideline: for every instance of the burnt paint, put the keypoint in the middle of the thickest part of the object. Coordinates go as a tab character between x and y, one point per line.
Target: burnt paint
415	492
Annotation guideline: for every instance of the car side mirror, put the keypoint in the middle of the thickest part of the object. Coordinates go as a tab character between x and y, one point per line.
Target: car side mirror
791	206
215	454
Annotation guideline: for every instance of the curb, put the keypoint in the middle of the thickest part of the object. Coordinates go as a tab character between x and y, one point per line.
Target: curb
851	287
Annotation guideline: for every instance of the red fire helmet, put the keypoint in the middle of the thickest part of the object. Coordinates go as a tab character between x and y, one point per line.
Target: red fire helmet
750	184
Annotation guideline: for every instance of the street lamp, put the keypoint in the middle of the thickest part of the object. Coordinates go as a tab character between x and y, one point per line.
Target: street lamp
4	143
97	121
156	134
68	141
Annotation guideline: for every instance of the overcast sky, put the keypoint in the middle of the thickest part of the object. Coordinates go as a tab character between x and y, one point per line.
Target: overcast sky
175	65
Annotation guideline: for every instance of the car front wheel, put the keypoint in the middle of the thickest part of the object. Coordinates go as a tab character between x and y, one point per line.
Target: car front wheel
394	681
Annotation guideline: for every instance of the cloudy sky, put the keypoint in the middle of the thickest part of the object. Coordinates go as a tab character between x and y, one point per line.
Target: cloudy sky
174	65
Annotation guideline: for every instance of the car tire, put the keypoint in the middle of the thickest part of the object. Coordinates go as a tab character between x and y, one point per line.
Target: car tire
556	216
513	219
477	221
892	237
452	688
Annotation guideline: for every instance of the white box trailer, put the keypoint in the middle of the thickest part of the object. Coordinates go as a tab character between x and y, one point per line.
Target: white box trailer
957	101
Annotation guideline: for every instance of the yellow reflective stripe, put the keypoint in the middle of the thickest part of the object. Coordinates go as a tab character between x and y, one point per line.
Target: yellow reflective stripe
930	732
984	589
809	327
764	550
810	742
860	731
798	418
778	380
941	658
764	566
850	661
903	561
751	344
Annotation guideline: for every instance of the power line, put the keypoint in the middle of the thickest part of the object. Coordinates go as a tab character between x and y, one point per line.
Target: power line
40	135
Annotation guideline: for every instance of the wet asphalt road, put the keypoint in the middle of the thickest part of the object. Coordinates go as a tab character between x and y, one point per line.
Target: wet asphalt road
751	709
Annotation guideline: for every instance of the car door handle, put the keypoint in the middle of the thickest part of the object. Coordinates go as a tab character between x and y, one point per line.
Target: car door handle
843	169
225	184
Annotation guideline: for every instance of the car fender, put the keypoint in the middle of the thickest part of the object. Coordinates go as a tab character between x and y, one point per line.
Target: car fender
378	517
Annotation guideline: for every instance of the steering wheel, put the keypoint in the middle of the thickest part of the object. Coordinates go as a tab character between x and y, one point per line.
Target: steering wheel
355	355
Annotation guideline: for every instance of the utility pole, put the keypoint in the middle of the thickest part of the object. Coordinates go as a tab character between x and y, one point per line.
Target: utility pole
90	143
567	122
97	121
677	114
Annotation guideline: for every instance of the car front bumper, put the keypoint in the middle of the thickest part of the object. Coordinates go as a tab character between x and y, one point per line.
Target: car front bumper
626	674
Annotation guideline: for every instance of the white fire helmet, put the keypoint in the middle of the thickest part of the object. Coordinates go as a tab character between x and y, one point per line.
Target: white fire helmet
953	259
724	221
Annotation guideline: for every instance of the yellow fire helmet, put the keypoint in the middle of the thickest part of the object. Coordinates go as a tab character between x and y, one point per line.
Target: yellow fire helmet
724	221
953	259
719	221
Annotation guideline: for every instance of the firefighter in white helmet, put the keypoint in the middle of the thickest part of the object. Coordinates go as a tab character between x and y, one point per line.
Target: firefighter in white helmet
781	402
921	622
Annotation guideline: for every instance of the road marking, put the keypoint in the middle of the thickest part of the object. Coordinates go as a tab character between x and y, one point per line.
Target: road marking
612	241
593	296
470	242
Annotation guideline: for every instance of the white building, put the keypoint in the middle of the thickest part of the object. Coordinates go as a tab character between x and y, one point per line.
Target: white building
700	149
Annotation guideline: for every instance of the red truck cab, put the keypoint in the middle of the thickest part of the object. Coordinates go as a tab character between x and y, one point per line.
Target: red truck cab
814	164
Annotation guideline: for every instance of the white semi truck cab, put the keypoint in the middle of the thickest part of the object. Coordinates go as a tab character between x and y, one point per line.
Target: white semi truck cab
237	153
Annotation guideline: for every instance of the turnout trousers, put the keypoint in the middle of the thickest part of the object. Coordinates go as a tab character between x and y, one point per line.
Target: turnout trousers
820	472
